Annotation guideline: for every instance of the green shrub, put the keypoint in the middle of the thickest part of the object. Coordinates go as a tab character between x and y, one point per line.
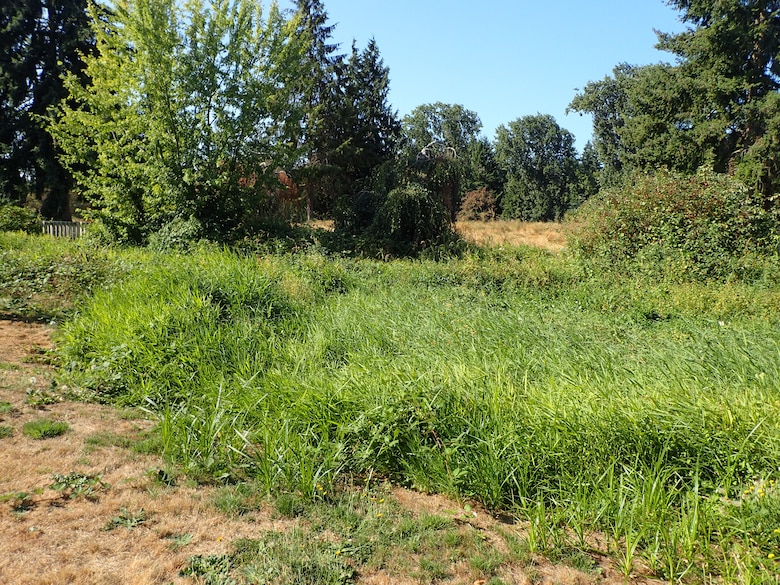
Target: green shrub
706	225
19	219
412	219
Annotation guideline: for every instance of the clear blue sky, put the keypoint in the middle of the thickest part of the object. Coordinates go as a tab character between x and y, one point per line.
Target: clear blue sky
502	58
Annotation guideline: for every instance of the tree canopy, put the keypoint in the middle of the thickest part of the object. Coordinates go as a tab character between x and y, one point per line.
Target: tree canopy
541	166
716	106
187	113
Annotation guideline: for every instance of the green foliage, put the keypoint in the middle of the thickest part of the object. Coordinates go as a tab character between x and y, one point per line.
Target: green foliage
448	124
412	218
126	519
577	399
700	226
33	60
45	285
76	484
14	218
541	165
717	105
6	431
188	111
44	428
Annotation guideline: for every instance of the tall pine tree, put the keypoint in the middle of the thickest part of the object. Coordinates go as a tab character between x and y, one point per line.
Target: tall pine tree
39	42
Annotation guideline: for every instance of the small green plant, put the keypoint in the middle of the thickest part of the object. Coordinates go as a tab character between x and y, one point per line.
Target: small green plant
20	501
126	519
290	505
6	407
16	218
45	428
6	431
38	398
210	569
179	541
74	484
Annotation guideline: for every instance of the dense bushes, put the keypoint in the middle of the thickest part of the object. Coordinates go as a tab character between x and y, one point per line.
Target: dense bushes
705	225
19	219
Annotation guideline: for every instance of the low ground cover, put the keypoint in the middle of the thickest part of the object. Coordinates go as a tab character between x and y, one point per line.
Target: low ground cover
585	404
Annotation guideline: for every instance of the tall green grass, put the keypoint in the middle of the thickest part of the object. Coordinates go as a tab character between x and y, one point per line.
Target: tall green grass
648	411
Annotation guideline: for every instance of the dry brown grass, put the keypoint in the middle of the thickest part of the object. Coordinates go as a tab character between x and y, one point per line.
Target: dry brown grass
514	233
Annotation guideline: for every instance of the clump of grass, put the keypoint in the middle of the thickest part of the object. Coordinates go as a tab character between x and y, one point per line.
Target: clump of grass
6	431
45	428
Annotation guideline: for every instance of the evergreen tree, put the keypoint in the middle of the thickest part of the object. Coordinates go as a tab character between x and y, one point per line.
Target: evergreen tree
39	43
716	106
364	129
321	62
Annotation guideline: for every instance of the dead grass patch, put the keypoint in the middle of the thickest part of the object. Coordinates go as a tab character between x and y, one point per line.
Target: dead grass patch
547	235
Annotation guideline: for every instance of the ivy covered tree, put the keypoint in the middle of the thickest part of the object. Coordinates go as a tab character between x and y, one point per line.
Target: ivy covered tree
39	43
541	166
188	111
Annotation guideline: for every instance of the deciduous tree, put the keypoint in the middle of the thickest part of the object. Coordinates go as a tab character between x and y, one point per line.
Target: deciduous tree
541	165
188	111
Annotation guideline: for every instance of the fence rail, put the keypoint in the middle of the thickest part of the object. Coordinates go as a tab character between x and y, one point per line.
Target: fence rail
64	229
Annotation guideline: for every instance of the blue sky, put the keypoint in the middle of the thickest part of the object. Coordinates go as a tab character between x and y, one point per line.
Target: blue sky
503	58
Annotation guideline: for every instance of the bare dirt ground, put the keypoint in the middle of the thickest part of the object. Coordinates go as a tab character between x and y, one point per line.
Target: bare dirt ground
48	537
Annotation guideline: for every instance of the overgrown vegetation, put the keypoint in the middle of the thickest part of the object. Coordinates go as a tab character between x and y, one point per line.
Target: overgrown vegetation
667	224
596	401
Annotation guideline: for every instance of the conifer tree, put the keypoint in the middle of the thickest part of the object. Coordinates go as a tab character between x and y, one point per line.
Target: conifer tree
39	43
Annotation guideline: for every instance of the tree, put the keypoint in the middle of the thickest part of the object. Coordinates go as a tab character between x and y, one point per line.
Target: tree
541	164
436	142
364	130
187	113
315	86
449	124
39	42
713	107
482	168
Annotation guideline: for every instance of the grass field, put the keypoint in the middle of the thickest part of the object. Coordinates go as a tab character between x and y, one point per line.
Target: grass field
617	416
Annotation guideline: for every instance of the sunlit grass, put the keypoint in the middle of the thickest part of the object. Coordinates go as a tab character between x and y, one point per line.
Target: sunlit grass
643	410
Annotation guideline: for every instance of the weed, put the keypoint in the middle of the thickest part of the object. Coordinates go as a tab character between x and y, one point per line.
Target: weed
6	431
74	484
38	398
126	519
20	501
179	541
44	429
6	407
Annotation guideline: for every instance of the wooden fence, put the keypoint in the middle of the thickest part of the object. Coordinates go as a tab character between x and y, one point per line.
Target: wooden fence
64	229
